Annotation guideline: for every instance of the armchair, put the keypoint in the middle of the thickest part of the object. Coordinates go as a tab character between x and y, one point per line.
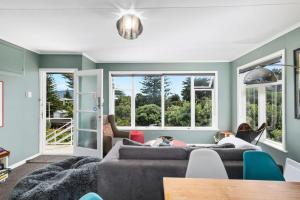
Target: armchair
108	140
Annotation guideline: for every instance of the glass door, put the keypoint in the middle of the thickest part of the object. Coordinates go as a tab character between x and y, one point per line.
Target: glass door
88	113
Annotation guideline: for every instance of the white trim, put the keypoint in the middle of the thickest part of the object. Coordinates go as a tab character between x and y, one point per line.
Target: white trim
168	128
22	162
89	57
162	88
274	145
159	72
193	111
215	103
43	114
241	113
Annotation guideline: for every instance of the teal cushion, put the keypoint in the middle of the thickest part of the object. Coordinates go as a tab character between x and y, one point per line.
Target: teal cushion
91	196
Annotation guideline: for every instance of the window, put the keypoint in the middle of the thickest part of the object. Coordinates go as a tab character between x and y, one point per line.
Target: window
163	100
252	107
264	102
177	100
122	100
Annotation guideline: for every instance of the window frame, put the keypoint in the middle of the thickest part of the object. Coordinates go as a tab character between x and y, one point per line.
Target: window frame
241	99
215	100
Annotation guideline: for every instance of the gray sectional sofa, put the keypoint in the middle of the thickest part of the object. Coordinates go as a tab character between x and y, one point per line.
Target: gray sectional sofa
136	172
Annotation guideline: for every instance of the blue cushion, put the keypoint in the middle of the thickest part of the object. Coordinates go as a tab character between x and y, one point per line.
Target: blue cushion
261	166
91	196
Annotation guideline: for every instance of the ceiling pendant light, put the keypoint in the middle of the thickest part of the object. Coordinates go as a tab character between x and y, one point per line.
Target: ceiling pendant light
259	75
129	26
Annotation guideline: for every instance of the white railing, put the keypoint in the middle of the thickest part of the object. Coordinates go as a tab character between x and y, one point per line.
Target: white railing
59	135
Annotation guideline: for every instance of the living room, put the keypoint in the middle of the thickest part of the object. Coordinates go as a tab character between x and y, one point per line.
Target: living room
137	86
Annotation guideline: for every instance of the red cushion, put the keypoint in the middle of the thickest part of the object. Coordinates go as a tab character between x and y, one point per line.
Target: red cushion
137	136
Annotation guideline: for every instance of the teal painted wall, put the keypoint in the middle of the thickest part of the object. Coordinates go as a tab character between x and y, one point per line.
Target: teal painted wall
66	61
20	133
289	42
60	61
86	63
224	72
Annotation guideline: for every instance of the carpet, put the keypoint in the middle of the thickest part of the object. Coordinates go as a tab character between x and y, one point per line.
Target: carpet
23	170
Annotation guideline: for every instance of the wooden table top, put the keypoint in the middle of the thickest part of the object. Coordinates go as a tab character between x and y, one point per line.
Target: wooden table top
4	154
208	189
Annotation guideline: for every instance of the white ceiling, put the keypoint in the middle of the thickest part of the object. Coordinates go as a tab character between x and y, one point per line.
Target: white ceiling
174	30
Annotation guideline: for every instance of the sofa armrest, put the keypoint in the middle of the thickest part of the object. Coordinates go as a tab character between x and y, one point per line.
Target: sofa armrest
121	134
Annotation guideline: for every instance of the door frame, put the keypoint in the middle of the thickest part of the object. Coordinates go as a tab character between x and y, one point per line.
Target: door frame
82	151
42	100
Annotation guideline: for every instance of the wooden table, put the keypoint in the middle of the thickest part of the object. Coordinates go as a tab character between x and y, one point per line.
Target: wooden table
208	189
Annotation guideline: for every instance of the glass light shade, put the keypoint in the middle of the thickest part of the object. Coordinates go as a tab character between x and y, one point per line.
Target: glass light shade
259	75
129	26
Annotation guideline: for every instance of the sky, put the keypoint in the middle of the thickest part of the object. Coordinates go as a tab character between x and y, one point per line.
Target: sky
124	84
60	82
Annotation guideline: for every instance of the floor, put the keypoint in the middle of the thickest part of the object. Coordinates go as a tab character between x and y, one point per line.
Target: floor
27	168
59	149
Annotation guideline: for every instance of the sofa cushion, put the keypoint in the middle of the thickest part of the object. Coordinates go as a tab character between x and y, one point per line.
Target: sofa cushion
234	154
152	153
132	143
107	130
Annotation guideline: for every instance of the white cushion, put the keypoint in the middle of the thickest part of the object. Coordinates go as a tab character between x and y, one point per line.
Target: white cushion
239	143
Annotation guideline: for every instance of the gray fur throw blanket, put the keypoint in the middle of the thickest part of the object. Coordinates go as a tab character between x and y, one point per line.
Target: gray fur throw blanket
68	179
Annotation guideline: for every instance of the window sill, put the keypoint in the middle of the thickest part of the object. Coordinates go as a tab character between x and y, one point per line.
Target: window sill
275	145
169	128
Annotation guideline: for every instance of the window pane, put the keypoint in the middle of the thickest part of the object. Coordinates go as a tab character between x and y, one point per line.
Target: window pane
204	81
148	100
203	108
252	107
274	112
122	88
177	101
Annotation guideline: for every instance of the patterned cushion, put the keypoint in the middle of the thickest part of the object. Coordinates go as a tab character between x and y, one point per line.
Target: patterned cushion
107	130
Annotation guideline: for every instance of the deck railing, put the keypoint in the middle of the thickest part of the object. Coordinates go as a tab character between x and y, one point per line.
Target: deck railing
63	134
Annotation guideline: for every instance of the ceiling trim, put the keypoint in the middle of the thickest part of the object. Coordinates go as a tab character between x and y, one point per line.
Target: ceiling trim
274	37
89	57
165	61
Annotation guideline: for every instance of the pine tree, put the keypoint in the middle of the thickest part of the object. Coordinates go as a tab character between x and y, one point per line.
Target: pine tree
69	79
151	89
186	91
52	97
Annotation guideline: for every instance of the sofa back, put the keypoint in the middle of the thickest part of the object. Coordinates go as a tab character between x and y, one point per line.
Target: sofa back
131	152
152	153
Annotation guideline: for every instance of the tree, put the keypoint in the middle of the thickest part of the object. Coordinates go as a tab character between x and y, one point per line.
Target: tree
68	95
119	93
148	115
186	91
122	110
151	89
178	115
69	79
52	98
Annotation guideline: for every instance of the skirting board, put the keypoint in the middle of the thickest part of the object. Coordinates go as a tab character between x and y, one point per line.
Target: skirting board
22	162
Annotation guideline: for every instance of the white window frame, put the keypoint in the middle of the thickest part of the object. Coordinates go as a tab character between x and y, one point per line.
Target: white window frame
241	99
215	100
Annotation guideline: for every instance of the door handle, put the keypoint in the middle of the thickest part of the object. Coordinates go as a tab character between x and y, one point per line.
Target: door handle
99	103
